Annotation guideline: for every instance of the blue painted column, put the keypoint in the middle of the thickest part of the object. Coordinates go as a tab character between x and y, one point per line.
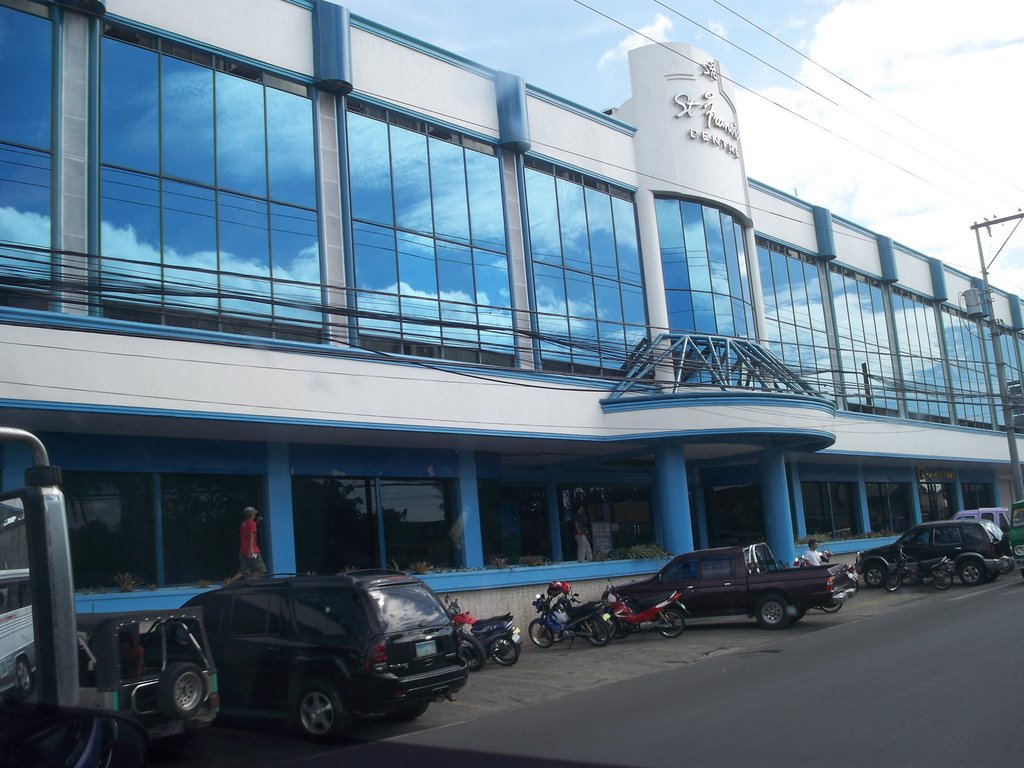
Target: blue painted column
673	498
280	519
469	512
775	497
915	497
798	500
702	517
554	521
862	502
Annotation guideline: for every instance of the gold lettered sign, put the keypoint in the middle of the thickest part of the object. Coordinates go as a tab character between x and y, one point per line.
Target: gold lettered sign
925	475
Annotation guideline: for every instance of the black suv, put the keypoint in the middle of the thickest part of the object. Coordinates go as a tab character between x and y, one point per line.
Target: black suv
319	649
970	544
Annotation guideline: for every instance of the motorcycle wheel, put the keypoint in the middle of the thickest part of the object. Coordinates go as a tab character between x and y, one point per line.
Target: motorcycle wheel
672	624
893	582
505	652
619	628
472	652
943	579
540	634
597	632
832	607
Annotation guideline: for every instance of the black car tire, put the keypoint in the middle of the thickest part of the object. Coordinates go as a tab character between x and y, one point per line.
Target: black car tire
874	574
540	634
971	572
772	612
675	623
23	679
318	713
181	690
505	652
408	714
471	651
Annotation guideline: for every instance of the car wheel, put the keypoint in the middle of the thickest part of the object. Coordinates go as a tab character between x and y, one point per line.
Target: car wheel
540	634
971	572
772	612
874	574
318	713
181	691
408	714
23	680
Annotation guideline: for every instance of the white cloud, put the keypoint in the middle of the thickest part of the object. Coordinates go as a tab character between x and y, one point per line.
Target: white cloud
657	31
922	180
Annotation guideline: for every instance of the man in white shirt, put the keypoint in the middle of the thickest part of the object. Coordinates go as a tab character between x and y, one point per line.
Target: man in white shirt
811	555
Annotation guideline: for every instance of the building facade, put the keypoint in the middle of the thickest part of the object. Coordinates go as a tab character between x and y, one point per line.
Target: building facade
419	312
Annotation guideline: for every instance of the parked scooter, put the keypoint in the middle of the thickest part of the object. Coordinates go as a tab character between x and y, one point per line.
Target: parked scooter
562	619
851	573
468	648
665	614
938	573
498	635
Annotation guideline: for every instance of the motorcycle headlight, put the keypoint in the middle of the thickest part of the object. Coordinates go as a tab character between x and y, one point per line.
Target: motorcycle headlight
1019	550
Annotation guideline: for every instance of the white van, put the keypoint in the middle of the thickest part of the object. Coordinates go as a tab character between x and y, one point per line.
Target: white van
998	515
17	651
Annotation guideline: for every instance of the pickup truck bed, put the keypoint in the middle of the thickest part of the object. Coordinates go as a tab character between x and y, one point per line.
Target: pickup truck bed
745	581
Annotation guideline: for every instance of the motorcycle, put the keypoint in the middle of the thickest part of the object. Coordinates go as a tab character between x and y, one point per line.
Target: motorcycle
851	573
938	573
665	614
498	636
562	619
468	648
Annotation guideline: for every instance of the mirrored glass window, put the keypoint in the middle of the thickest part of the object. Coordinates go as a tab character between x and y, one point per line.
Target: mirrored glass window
969	373
590	310
431	266
917	333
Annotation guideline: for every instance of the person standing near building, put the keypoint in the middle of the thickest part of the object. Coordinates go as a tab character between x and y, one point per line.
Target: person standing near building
250	559
582	523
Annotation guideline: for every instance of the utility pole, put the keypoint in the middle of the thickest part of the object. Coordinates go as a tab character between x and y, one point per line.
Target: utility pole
997	352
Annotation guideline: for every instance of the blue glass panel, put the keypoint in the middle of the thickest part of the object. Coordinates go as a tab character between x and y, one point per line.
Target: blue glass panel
602	235
585	349
412	180
723	315
542	207
633	308
624	213
128	106
420	309
448	188
290	158
492	287
609	305
295	257
716	251
486	207
741	260
244	255
579	290
613	345
369	169
186	95
459	322
549	286
24	79
241	135
496	330
417	268
130	233
572	224
693	227
190	245
455	274
731	263
24	211
376	277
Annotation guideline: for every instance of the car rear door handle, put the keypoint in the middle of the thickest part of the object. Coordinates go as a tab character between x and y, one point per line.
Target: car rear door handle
727	584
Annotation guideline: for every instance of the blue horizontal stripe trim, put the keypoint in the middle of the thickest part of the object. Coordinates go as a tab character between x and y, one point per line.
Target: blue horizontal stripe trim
705	399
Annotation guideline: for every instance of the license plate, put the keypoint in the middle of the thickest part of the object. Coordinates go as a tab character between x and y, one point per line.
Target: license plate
426	648
516	636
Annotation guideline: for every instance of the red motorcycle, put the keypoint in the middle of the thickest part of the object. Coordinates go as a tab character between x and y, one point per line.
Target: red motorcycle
628	614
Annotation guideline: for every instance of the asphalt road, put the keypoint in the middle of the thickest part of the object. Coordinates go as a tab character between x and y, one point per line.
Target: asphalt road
916	678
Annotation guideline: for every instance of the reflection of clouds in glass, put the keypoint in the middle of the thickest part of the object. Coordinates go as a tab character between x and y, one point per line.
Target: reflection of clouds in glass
241	147
124	243
304	267
24	227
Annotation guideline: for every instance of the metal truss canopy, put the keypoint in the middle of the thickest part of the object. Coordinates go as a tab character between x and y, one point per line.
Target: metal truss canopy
675	362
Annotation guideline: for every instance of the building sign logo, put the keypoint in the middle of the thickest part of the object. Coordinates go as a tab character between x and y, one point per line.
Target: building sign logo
715	124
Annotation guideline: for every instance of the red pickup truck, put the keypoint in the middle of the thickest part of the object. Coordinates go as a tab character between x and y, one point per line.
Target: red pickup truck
746	581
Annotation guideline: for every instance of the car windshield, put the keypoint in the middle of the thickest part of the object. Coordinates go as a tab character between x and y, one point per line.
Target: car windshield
993	529
408	606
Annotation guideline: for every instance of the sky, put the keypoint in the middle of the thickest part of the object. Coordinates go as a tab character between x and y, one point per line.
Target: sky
902	116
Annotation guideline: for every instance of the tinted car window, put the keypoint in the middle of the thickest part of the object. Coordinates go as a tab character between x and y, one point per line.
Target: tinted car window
682	570
717	567
256	614
976	536
407	607
334	612
213	606
914	538
947	534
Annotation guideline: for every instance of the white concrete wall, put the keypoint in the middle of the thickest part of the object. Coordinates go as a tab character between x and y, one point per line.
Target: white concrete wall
915	273
856	249
779	219
271	31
